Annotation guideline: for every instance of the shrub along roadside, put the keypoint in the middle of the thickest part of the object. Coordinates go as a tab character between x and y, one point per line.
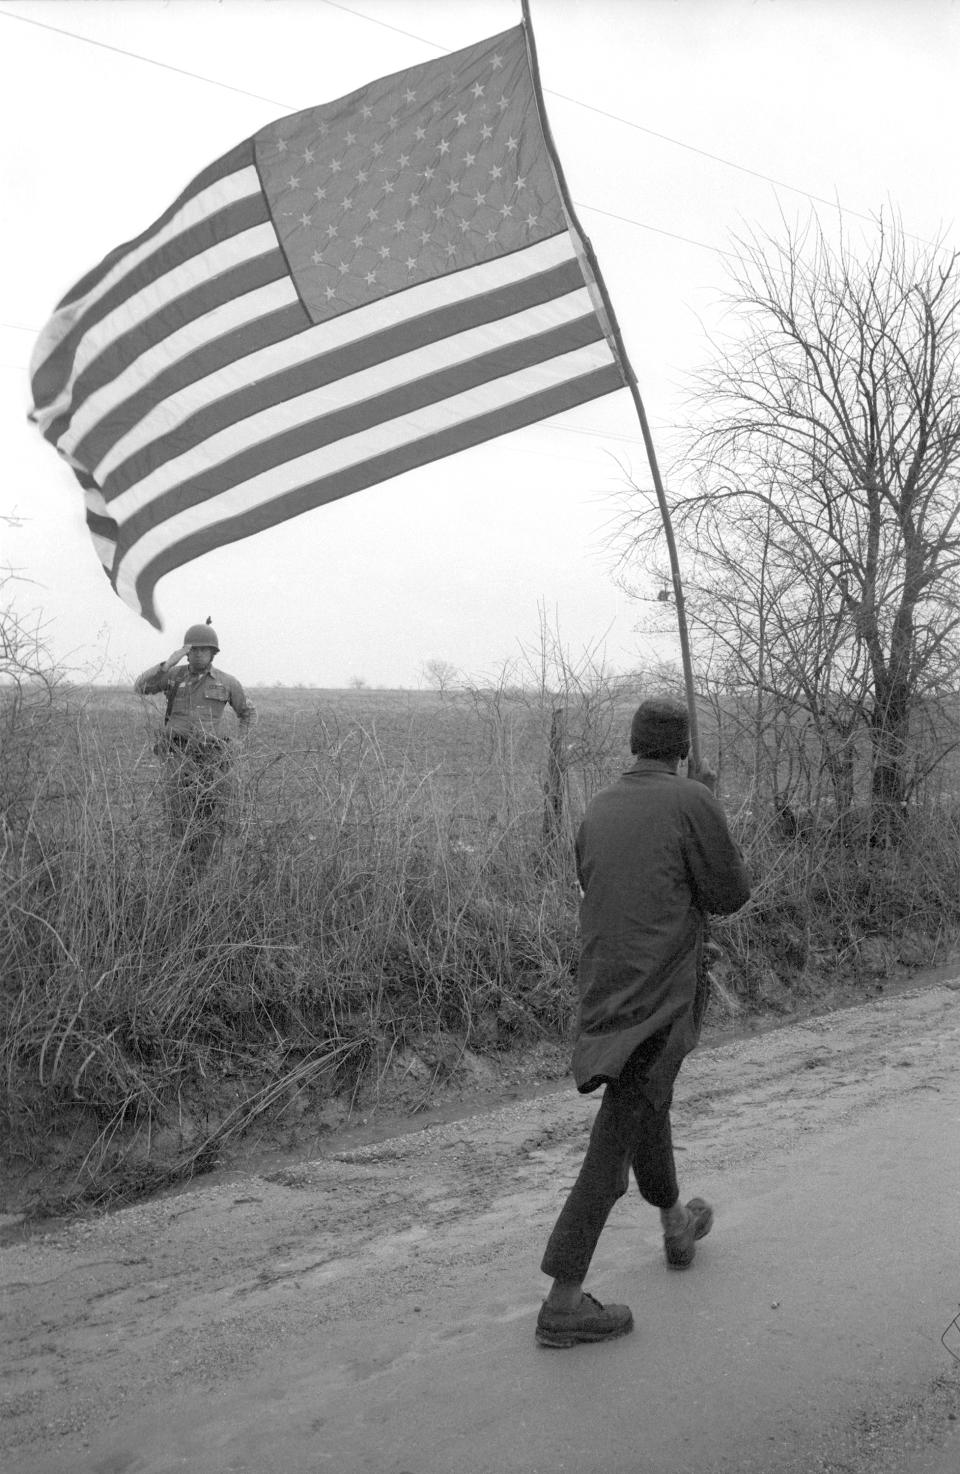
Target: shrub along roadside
151	1015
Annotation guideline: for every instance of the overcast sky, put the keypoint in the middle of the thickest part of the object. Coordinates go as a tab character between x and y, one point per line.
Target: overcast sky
667	115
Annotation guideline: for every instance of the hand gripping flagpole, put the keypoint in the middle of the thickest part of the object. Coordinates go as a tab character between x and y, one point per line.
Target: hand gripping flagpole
631	379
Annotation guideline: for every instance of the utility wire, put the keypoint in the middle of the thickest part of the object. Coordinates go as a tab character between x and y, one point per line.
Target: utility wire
30	20
274	102
386	25
714	158
672	234
601	112
640	127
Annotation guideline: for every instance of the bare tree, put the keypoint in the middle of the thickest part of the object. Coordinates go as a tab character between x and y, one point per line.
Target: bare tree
30	711
825	521
440	675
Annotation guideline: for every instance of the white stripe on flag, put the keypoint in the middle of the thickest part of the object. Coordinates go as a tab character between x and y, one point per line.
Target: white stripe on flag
403	369
104	549
378	440
150	300
95	503
323	338
233	314
209	201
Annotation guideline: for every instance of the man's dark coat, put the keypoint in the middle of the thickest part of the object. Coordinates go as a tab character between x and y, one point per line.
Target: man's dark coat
654	856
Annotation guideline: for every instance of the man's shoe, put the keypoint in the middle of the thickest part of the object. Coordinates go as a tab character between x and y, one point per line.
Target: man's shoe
680	1248
591	1321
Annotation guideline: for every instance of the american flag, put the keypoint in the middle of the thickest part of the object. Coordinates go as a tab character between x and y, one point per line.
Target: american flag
357	290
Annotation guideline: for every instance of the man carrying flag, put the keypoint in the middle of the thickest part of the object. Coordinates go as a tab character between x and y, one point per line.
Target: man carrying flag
654	857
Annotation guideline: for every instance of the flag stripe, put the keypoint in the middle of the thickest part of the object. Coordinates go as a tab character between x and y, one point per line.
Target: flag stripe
433	331
54	358
104	527
499	421
388	436
51	376
142	509
363	322
147	306
236	162
105	549
215	213
152	410
106	365
194	352
406	309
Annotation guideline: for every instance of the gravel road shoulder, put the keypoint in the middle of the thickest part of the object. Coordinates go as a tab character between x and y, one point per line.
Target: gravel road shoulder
107	1315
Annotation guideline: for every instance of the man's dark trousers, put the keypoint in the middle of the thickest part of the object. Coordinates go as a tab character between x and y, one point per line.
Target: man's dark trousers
629	1131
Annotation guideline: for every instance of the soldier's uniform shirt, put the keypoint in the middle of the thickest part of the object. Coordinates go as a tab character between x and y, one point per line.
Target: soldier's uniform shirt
200	702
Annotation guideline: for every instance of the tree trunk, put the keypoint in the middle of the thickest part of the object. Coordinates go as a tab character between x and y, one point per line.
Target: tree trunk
890	728
553	787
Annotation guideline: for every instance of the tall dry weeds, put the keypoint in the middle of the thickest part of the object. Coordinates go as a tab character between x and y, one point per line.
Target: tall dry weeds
383	881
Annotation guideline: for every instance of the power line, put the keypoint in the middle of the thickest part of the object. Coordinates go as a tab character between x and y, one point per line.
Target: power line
641	128
599	434
30	20
386	25
705	154
590	107
602	112
671	234
596	209
213	82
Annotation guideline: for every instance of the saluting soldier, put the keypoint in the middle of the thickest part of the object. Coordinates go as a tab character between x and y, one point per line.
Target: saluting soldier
193	740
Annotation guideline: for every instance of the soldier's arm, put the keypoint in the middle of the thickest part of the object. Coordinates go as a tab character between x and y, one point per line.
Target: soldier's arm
245	711
153	682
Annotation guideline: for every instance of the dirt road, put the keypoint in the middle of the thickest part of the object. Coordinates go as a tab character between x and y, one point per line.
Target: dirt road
371	1311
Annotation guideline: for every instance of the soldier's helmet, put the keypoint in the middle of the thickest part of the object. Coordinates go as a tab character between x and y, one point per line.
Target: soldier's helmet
202	634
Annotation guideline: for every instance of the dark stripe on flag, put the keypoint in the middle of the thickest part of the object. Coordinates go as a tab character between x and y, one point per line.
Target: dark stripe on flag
54	372
103	526
500	421
395	404
326	368
229	163
170	318
248	338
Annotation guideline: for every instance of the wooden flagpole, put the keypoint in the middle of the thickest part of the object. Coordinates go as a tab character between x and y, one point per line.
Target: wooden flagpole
631	379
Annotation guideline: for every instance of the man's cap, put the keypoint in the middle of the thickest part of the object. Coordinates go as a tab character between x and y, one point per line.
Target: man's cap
660	728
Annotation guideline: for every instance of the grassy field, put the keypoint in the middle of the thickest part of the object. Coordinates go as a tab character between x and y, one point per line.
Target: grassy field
394	894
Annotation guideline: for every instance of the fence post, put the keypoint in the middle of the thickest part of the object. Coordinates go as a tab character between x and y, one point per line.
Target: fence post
553	786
